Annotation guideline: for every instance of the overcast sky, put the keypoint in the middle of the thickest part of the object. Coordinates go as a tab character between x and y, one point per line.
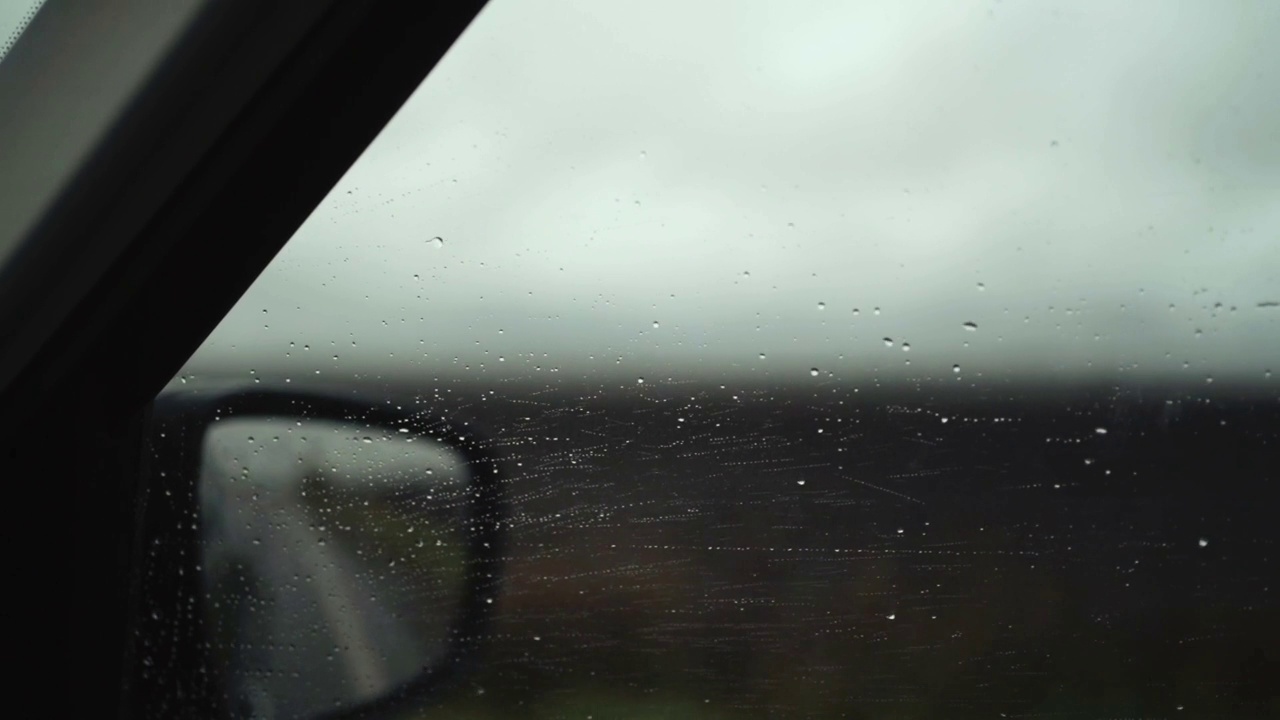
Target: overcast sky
1094	185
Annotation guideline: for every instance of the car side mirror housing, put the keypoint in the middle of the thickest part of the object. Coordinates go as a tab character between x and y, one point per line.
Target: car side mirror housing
310	555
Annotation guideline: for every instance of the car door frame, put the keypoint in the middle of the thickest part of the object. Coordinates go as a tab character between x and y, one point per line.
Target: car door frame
267	105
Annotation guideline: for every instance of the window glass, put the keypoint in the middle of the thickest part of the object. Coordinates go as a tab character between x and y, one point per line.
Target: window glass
14	18
882	359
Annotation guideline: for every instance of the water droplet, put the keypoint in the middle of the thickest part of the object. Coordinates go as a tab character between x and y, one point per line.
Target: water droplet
855	311
955	368
1100	430
799	482
971	326
906	347
892	616
876	311
888	342
761	356
822	306
639	381
813	372
1204	542
746	273
437	242
981	287
643	154
655	323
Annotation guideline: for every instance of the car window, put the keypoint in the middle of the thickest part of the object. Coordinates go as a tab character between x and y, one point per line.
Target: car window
14	18
904	359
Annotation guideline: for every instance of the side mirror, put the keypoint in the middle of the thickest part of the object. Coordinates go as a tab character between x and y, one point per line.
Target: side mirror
311	556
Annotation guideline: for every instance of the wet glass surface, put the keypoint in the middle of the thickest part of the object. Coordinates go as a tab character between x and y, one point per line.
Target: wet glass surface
869	360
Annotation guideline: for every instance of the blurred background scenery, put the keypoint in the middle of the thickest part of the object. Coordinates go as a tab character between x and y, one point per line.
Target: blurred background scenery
849	359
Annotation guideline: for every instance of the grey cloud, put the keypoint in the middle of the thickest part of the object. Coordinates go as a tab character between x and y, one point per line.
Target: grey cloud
1108	171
